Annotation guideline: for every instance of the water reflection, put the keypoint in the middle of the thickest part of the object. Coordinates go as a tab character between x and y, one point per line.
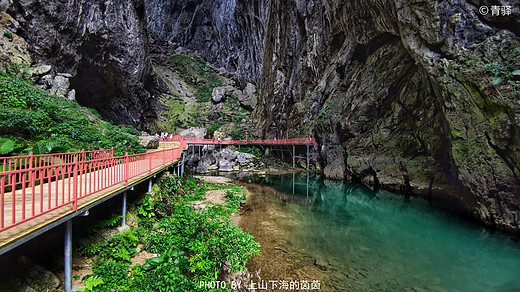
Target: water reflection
383	242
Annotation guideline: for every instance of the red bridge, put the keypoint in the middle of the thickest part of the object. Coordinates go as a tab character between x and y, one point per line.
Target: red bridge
291	141
36	190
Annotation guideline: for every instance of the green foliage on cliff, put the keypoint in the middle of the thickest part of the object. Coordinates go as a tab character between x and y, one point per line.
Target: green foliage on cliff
196	74
43	123
182	112
190	246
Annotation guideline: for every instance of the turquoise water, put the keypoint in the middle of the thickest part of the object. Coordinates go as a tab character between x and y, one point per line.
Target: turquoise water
383	243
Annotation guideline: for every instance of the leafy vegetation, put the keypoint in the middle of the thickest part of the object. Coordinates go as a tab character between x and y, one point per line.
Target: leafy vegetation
190	246
506	72
229	117
196	74
91	283
112	221
33	120
252	150
214	127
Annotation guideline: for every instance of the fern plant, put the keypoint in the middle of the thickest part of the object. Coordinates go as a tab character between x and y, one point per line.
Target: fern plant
91	283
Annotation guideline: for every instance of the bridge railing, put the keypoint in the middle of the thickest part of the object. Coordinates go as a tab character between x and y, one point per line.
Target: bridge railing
34	185
28	161
243	142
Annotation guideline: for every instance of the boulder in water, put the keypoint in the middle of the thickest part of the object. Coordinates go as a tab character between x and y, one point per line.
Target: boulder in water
321	264
227	154
207	160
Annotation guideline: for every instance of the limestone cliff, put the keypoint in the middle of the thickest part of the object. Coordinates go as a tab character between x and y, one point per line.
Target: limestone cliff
227	33
103	47
414	96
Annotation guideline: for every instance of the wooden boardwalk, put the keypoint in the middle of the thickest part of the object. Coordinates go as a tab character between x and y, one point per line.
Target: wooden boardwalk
54	199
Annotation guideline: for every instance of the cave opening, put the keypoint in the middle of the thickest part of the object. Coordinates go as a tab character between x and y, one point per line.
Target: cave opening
90	82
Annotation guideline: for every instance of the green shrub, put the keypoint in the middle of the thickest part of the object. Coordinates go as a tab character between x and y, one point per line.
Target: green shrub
8	34
191	246
164	273
112	221
114	275
91	283
213	128
195	71
30	116
251	150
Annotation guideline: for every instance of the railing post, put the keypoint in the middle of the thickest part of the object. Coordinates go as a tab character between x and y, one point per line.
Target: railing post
293	155
150	164
2	206
32	182
308	157
127	168
31	171
75	184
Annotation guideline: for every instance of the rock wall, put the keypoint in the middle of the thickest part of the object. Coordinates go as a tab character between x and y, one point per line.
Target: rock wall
402	95
101	44
227	33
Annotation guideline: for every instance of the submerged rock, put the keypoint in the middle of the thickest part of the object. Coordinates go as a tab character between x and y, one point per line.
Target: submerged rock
321	264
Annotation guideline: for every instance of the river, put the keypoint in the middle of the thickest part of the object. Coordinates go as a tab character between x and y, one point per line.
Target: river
346	237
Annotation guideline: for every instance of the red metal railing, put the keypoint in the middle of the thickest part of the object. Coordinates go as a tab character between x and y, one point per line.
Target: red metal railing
33	185
178	137
252	142
28	161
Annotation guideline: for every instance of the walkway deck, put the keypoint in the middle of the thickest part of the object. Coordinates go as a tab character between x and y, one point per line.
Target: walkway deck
50	189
